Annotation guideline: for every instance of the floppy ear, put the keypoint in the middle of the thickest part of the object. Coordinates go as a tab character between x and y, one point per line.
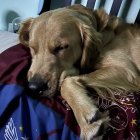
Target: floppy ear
24	31
91	38
97	29
92	45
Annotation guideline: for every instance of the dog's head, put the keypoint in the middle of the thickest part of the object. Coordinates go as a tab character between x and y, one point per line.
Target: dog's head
59	40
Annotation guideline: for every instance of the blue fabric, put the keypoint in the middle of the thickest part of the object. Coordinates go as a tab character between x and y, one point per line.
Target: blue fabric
23	117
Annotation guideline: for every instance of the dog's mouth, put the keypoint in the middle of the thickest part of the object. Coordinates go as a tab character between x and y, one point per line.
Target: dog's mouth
49	91
45	92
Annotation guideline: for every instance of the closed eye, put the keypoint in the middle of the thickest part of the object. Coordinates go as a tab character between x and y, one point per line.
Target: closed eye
59	48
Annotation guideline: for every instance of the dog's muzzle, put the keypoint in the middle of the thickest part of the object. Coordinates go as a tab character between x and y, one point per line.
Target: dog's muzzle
37	84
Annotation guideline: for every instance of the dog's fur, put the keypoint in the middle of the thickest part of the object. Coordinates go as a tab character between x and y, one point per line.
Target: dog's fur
77	50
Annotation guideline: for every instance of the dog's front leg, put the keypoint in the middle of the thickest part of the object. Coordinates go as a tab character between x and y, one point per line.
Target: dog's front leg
104	81
91	121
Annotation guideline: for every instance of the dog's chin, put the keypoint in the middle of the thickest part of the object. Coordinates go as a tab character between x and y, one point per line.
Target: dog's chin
48	93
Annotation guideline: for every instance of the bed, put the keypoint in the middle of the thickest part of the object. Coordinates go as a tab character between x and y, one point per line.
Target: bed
25	117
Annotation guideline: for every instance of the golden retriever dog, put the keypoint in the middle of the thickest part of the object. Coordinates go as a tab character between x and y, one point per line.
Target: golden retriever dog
81	52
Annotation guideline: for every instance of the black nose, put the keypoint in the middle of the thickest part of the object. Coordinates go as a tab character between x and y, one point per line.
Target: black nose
36	83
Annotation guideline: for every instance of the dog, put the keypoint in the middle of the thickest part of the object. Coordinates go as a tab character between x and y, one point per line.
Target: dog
81	52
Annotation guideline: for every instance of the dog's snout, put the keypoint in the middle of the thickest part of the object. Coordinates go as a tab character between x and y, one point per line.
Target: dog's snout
36	83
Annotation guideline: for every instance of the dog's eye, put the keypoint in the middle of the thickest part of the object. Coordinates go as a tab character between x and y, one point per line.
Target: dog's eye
57	49
60	48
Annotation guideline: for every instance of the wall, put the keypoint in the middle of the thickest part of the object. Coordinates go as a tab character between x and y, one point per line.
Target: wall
9	9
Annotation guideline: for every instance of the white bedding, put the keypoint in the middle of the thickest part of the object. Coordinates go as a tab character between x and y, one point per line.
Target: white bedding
7	40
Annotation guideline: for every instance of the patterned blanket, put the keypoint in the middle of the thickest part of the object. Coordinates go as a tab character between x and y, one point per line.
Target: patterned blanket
24	117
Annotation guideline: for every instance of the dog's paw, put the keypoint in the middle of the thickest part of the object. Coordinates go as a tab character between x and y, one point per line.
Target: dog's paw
95	126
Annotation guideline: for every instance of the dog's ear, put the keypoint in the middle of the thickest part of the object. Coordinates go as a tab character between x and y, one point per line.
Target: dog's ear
92	44
92	39
24	31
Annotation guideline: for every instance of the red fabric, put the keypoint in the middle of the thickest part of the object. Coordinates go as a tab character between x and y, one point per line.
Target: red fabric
14	62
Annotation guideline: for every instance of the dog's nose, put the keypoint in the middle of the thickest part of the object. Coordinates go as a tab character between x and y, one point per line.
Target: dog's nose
36	83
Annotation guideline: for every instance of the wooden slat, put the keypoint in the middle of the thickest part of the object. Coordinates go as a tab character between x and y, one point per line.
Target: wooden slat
46	6
138	18
77	1
127	9
115	7
91	3
67	2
